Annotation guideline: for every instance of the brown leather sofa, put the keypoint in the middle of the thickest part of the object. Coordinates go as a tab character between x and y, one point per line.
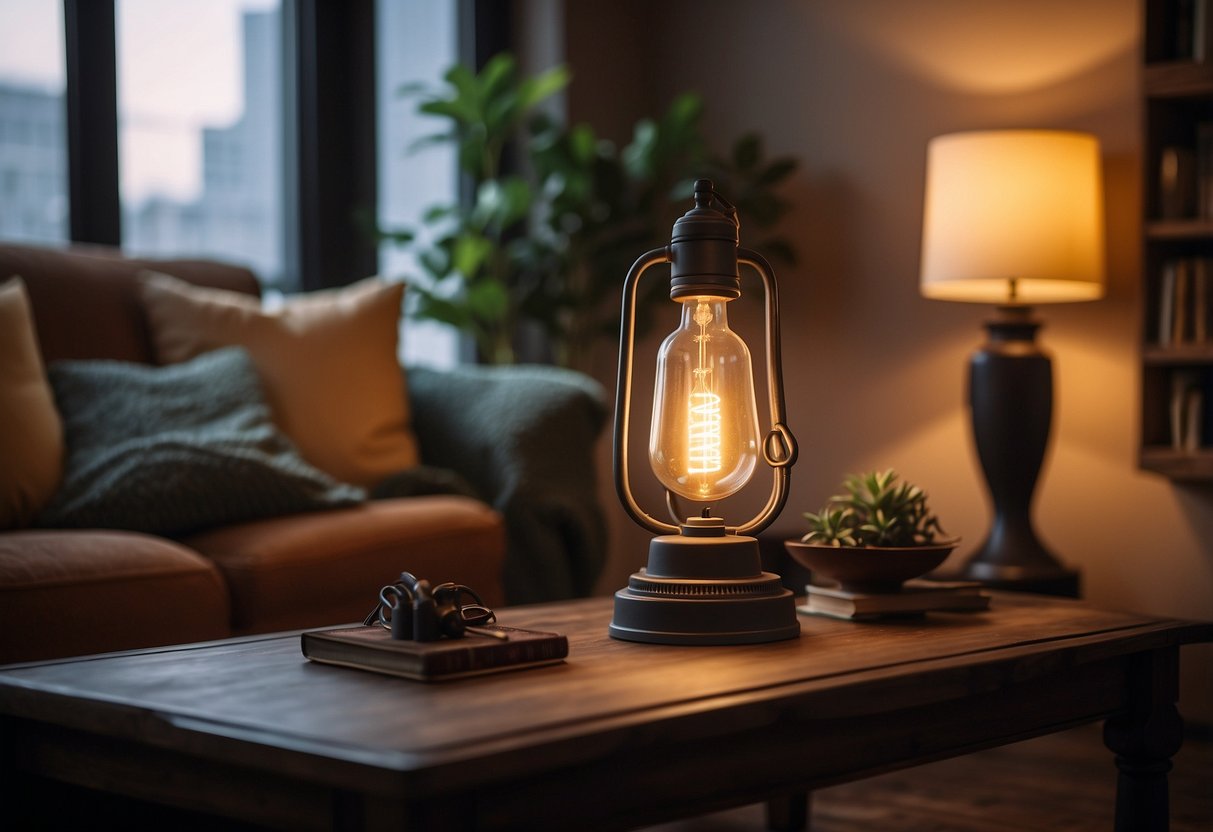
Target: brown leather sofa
70	592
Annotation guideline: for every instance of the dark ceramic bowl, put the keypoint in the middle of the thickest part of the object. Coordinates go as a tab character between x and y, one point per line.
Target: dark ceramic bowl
870	569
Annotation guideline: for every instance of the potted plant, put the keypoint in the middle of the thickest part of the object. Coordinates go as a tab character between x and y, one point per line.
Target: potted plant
877	534
554	215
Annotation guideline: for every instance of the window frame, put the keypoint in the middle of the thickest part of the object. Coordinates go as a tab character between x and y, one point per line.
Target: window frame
330	135
90	55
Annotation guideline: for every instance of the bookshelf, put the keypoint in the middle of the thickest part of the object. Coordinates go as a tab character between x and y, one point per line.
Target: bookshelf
1177	235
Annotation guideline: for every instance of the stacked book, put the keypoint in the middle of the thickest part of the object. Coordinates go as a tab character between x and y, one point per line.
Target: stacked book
915	598
490	650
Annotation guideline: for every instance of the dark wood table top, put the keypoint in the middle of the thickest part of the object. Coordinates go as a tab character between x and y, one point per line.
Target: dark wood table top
258	700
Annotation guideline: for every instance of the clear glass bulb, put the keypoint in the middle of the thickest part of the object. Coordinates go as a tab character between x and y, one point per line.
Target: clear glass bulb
703	444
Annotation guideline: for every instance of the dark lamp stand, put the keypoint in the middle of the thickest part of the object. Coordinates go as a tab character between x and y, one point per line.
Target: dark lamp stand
1011	398
1013	217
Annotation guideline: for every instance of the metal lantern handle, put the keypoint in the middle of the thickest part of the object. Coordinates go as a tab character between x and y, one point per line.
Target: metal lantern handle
778	447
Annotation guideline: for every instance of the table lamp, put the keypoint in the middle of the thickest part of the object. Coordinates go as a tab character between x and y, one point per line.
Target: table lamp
1013	218
704	583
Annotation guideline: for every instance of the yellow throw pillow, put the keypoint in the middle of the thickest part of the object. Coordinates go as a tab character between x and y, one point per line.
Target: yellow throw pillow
31	435
327	361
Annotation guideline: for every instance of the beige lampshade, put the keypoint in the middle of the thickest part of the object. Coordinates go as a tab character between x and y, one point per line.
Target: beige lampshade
1013	216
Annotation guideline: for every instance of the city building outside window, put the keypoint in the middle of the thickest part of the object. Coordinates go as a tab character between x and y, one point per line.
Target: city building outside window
203	136
33	144
200	109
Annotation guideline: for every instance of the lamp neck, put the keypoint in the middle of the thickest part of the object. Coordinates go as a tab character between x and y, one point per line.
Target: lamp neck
1012	323
692	314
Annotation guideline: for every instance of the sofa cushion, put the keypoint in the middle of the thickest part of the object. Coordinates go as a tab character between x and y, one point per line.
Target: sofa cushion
327	361
313	570
72	593
86	302
171	450
31	436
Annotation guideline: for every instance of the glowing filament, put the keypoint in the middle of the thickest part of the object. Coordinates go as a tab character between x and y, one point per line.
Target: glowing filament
705	433
703	453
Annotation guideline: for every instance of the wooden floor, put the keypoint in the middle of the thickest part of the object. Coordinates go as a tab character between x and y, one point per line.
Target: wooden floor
1060	783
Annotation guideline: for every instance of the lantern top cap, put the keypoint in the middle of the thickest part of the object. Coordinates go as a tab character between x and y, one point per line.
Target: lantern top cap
712	218
703	248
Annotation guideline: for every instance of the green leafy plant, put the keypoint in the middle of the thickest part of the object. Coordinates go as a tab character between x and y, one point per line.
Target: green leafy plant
876	510
546	241
480	270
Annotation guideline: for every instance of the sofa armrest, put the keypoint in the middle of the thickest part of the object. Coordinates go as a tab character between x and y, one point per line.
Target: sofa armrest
523	437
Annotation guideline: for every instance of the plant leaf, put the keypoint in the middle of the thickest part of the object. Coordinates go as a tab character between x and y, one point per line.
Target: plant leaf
497	75
747	151
470	253
488	300
534	90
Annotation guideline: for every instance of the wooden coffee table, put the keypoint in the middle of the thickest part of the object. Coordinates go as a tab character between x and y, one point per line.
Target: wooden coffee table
620	735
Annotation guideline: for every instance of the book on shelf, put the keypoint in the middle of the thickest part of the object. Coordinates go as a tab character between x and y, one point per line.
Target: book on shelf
1184	301
1185	177
1192	30
1179	316
1202	30
1204	169
915	598
1193	420
1176	183
1200	299
373	648
1187	409
1166	303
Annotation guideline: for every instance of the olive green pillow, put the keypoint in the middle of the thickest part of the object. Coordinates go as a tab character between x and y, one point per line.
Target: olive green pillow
179	449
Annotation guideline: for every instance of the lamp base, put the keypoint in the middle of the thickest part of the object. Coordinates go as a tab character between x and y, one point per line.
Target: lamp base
1026	566
1011	398
707	590
1065	583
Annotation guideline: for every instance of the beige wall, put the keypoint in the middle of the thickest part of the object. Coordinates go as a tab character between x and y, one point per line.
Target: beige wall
875	374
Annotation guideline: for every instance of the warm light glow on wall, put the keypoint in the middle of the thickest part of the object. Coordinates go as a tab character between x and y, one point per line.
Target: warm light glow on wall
1013	216
995	46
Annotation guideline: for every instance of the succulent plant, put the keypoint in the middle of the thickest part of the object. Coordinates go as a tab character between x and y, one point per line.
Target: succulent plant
876	510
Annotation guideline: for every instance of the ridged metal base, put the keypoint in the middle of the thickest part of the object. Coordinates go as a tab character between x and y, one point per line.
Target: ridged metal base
735	603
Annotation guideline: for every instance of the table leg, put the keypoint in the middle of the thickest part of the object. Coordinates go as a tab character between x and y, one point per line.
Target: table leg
1144	738
789	813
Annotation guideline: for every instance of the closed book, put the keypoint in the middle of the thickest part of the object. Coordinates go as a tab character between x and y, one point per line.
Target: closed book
1166	304
1200	300
1181	413
373	648
1202	30
1193	426
1176	183
1182	313
1204	170
915	597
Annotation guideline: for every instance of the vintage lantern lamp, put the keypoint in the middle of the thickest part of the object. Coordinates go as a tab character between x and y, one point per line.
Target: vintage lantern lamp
704	582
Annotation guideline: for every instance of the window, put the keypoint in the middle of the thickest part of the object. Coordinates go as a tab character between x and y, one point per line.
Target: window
33	145
200	130
174	122
414	42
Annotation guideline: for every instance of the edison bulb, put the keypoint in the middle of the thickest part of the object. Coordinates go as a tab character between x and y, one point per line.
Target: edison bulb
703	444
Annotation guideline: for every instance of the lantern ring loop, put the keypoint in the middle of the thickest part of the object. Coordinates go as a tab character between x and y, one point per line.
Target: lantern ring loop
779	448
